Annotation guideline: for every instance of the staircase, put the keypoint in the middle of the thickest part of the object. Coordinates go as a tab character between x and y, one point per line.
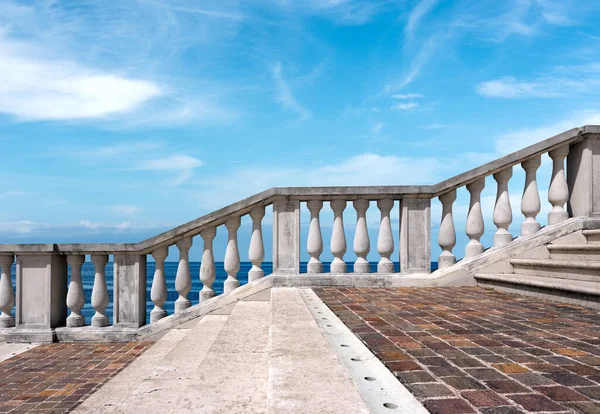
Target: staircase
566	270
265	356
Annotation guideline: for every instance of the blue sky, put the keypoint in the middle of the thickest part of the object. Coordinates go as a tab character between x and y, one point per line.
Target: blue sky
120	119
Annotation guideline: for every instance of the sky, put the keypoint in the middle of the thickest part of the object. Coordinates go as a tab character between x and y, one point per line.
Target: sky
121	119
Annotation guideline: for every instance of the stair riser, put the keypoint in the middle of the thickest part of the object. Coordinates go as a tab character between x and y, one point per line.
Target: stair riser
593	238
590	256
590	275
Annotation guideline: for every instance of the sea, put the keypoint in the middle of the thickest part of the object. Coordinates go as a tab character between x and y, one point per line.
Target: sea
87	277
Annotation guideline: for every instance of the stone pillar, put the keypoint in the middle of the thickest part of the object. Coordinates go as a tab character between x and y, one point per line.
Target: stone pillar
475	225
208	273
256	251
362	244
7	295
530	203
158	293
502	209
314	244
183	278
41	294
286	236
447	234
583	176
100	291
129	295
75	295
385	239
415	235
558	193
232	255
338	237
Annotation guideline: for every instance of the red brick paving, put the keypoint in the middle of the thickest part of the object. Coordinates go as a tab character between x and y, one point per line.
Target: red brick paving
473	350
56	378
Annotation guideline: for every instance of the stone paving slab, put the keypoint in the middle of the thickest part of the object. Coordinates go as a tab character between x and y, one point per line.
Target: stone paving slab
473	350
56	378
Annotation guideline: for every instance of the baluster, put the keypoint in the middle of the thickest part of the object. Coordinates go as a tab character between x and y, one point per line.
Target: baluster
99	291
362	244
338	237
75	294
558	193
158	293
385	240
447	234
7	295
502	209
208	272
256	251
232	256
530	203
314	244
475	225
183	279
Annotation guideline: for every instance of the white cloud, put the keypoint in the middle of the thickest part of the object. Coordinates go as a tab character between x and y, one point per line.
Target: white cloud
509	87
183	165
405	107
21	227
378	127
407	96
285	96
416	15
125	210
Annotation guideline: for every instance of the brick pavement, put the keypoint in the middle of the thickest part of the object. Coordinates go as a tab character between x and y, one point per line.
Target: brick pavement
467	350
56	378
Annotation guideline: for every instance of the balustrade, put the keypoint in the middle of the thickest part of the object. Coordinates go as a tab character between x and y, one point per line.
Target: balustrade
75	294
502	209
558	193
183	278
475	225
385	240
338	237
99	291
361	237
208	273
314	244
447	235
256	251
7	296
158	293
232	256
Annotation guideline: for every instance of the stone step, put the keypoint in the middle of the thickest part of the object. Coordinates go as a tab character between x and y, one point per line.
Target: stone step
593	236
560	269
577	292
582	252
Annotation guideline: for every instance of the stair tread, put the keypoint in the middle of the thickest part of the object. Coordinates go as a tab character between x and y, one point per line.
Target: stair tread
560	263
591	247
591	232
579	286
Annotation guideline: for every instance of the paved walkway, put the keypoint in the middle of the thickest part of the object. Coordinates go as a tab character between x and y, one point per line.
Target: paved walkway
466	350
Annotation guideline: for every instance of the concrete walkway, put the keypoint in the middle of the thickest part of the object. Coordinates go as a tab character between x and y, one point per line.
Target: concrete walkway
266	356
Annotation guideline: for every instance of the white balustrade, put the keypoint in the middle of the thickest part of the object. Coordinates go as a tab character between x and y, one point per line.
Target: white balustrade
475	225
530	203
447	234
256	251
7	295
502	209
158	293
362	245
385	239
314	244
232	256
338	237
208	272
75	294
183	278
99	291
558	193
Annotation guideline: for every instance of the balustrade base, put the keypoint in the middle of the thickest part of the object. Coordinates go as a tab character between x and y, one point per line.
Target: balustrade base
27	335
206	294
362	267
255	275
99	321
314	267
181	304
75	321
6	321
446	260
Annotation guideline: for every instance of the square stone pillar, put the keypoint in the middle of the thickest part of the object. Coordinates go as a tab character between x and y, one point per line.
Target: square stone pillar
286	236
41	294
129	297
583	177
415	235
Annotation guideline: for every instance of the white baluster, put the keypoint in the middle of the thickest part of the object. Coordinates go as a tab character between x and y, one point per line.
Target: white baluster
558	193
502	209
385	240
183	279
208	272
362	244
99	291
256	251
158	293
530	203
475	225
7	295
75	294
232	256
338	237
314	244
447	234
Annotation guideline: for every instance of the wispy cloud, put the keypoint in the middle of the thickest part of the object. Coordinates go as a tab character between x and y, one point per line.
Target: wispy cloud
125	210
182	165
407	96
405	107
416	15
378	127
285	96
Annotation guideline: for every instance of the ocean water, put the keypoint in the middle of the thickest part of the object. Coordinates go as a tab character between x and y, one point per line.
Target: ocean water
87	277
